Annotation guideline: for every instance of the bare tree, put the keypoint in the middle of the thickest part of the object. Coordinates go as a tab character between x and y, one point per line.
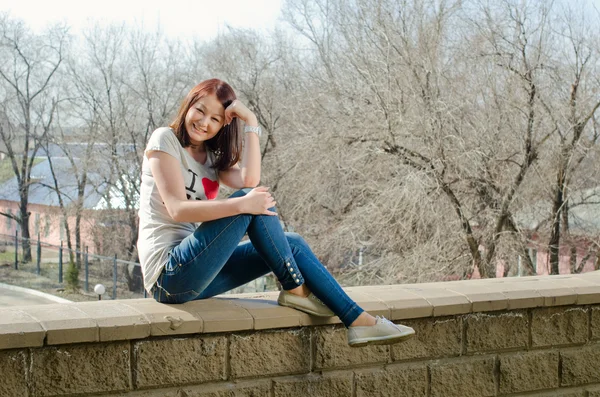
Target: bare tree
159	81
153	89
572	119
102	103
455	92
29	65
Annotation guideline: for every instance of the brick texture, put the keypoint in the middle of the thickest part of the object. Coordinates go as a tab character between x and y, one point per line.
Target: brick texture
580	366
465	377
329	385
530	352
492	332
593	391
595	324
13	364
333	351
528	371
81	369
557	326
164	362
439	337
260	388
554	393
270	353
394	381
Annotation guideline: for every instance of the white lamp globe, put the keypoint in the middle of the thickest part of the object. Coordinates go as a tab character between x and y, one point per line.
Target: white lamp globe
99	289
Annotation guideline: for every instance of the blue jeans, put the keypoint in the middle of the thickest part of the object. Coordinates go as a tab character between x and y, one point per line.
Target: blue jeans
212	260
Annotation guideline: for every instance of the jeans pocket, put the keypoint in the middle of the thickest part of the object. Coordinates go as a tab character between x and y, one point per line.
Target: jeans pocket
173	266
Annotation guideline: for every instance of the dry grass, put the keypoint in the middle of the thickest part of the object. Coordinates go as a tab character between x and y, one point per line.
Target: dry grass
25	279
6	169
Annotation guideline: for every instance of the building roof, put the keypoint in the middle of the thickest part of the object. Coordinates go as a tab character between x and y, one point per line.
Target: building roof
42	189
78	150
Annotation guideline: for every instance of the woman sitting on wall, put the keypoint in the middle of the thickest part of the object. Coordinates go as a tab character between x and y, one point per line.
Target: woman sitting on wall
190	243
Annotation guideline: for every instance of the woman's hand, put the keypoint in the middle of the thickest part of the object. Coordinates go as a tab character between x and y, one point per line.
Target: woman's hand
258	202
238	109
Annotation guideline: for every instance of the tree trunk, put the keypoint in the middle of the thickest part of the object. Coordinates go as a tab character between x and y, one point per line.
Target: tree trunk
78	238
573	259
25	243
557	207
472	243
68	235
135	278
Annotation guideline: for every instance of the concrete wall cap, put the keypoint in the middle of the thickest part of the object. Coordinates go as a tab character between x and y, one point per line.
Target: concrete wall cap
33	326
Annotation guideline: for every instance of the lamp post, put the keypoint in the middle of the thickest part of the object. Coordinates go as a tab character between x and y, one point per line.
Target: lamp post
100	290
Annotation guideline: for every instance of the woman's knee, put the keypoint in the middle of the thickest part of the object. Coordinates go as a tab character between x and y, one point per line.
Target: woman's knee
295	240
245	191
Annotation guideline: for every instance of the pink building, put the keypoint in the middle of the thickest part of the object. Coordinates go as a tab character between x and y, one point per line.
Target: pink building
582	241
541	260
47	222
46	219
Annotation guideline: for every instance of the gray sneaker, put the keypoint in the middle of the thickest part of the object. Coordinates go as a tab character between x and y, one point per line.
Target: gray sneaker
384	332
311	304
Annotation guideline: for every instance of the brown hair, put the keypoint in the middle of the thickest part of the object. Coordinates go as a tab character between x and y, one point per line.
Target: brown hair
226	145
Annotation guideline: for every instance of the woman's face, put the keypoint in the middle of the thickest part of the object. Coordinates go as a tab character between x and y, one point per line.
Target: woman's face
204	119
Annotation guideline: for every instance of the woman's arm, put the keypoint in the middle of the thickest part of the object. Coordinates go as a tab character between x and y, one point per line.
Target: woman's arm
169	181
248	173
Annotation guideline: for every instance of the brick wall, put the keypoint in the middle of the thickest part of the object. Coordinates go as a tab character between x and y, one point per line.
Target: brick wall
535	336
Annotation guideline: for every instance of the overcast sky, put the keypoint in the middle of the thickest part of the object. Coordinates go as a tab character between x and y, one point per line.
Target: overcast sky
204	18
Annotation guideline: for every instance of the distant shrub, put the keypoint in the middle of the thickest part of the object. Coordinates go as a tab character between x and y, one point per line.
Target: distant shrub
72	276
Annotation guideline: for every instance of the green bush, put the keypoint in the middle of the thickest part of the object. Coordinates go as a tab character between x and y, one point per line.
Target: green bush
72	276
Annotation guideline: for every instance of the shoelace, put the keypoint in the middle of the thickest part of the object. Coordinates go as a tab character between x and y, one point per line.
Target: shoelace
386	321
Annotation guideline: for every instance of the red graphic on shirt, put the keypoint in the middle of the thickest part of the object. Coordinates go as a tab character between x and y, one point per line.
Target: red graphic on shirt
211	188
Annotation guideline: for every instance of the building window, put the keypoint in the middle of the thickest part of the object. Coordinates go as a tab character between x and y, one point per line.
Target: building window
37	223
46	225
63	234
9	220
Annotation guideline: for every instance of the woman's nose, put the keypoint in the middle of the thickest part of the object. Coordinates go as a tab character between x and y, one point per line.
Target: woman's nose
203	120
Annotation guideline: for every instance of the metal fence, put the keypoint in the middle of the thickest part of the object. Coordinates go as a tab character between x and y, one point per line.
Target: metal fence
52	261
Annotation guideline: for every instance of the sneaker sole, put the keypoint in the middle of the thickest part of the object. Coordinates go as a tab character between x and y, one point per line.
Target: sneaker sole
303	310
382	340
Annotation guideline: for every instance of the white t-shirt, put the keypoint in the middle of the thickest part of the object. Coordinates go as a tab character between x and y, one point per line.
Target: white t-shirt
158	232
